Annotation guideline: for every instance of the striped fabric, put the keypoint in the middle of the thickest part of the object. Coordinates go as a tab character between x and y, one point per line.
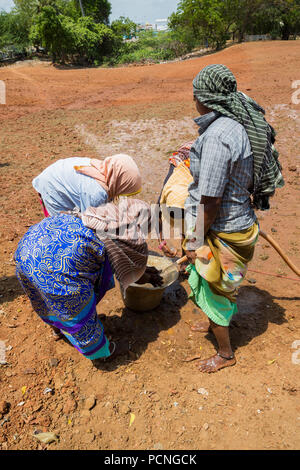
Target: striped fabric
122	228
216	88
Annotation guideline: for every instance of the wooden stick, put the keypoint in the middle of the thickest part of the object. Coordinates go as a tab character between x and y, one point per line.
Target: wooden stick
181	260
272	242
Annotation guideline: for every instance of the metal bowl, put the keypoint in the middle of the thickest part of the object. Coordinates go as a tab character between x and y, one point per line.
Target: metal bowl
145	297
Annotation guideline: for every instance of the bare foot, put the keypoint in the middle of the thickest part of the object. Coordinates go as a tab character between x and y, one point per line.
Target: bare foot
201	327
215	363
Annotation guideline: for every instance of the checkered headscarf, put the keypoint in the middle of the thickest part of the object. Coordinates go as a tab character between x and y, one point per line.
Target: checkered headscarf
216	88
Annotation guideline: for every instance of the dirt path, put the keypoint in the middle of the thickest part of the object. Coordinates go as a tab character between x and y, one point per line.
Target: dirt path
147	112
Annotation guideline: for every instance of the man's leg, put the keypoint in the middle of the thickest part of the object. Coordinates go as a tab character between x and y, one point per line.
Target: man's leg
224	356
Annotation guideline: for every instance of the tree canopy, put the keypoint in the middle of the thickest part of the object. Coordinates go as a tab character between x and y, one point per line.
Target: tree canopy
79	30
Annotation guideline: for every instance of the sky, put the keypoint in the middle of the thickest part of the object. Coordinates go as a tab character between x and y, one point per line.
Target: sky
136	10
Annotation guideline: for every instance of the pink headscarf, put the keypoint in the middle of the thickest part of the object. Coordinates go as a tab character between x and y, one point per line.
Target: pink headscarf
122	228
118	175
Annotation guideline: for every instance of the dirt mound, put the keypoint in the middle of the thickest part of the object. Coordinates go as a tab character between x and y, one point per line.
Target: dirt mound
149	399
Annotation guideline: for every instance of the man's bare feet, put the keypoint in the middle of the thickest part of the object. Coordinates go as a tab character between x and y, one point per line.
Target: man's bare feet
201	327
215	363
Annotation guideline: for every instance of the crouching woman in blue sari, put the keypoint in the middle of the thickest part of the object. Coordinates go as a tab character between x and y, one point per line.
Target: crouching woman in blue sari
66	264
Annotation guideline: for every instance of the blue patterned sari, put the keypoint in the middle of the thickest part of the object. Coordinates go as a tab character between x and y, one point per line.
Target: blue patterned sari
63	268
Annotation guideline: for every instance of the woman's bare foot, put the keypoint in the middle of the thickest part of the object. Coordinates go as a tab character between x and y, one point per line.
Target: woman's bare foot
201	327
215	363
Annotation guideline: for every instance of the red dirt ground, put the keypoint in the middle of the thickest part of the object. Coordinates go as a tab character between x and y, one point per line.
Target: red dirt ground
147	111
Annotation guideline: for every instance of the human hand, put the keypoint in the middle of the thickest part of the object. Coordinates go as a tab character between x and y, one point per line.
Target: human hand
191	256
169	252
151	276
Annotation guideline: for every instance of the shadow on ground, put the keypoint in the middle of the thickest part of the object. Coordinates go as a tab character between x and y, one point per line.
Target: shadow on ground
10	289
257	308
141	329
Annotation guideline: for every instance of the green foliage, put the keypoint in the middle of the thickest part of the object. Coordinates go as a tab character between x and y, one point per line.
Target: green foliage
124	27
99	10
208	20
280	18
68	35
216	20
66	39
150	46
14	30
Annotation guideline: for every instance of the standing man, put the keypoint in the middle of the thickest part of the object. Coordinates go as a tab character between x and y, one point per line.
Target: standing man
235	169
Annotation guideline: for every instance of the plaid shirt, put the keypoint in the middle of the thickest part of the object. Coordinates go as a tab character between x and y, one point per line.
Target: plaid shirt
222	166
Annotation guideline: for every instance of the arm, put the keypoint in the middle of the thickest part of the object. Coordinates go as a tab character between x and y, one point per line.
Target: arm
211	209
162	243
213	173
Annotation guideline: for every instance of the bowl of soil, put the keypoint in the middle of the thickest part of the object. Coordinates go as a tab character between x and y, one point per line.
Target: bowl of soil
145	297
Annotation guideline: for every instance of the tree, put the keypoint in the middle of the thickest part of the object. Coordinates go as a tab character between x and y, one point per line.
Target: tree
97	9
209	20
49	30
80	40
124	27
280	18
14	29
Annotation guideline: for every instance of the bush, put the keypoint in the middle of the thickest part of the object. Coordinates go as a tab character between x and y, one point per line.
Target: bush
150	45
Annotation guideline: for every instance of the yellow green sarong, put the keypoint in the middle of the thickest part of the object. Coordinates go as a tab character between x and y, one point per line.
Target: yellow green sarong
219	271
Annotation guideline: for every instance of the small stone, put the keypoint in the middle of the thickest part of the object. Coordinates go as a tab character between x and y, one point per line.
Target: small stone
251	280
273	230
29	371
46	437
205	426
90	402
158	446
53	362
4	407
292	168
70	406
202	391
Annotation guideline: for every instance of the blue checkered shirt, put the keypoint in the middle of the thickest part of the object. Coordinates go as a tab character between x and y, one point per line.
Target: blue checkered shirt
222	166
